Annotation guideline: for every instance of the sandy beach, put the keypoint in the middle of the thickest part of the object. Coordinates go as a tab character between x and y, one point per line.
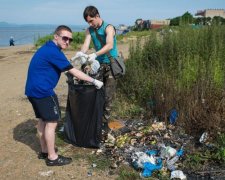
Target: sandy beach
19	143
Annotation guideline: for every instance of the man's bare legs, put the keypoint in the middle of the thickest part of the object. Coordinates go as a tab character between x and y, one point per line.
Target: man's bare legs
50	139
41	133
46	132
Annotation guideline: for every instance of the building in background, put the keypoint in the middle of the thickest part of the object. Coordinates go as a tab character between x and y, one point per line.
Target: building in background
154	24
211	13
141	24
122	29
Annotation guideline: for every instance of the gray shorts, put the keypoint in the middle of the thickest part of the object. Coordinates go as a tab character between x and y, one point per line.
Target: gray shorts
46	108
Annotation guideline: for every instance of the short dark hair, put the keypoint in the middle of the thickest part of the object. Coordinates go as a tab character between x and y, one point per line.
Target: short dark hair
91	11
61	28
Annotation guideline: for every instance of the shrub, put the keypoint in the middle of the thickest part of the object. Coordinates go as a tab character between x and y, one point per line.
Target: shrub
183	69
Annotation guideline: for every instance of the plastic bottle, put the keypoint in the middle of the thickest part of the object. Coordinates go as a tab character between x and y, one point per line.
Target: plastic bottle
171	163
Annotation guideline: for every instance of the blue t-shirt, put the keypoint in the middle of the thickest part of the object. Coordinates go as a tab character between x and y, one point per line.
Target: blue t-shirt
44	70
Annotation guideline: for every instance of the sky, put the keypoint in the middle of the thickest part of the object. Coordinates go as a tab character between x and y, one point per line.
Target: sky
70	12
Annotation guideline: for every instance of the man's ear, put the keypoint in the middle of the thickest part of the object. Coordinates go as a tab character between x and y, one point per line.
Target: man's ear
55	36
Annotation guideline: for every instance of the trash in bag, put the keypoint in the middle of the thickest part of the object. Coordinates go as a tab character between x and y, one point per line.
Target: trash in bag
81	63
77	62
84	110
92	68
84	113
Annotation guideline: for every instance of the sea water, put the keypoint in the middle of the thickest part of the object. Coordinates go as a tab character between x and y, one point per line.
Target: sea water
28	34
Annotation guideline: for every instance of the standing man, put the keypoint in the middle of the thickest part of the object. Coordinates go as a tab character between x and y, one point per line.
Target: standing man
11	41
107	33
43	75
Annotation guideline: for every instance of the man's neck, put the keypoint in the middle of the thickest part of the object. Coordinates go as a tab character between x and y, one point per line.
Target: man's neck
100	23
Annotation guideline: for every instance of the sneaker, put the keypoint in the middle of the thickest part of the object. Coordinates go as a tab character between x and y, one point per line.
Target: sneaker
60	161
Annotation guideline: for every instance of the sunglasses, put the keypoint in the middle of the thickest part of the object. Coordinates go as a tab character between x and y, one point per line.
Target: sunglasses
65	38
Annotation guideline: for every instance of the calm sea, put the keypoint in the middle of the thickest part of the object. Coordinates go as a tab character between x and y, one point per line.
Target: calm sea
28	34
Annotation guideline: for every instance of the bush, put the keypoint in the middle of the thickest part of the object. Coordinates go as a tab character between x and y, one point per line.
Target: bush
183	69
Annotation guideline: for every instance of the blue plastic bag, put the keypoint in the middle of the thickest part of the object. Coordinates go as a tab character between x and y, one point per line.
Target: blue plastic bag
173	116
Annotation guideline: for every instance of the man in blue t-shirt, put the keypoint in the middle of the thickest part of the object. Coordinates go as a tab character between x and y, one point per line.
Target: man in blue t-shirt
108	35
43	75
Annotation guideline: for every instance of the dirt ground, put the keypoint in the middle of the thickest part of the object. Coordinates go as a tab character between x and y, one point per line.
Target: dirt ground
18	141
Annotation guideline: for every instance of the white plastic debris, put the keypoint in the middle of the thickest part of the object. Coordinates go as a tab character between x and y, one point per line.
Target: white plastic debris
141	158
203	137
178	174
167	151
94	67
77	62
110	139
90	67
46	173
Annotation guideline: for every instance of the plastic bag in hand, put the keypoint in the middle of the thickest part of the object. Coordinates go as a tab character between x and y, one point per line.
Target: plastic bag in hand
78	62
94	67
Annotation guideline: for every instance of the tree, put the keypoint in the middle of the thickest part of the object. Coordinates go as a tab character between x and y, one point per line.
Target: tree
218	20
175	21
187	18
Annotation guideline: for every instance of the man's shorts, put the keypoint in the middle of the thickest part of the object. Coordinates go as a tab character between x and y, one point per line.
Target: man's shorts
46	108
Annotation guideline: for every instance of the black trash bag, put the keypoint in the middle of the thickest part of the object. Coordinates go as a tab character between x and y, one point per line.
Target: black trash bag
84	113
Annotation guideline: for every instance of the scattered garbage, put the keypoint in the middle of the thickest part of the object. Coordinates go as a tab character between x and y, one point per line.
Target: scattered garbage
149	168
146	147
149	148
146	161
173	116
46	173
159	126
178	175
139	158
115	124
203	137
167	151
171	162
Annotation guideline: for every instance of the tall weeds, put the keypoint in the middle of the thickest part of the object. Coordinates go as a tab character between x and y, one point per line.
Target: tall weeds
182	69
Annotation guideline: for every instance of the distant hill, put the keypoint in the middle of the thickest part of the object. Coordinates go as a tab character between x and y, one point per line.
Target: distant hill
5	24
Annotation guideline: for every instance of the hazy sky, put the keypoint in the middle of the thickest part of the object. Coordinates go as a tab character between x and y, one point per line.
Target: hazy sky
70	12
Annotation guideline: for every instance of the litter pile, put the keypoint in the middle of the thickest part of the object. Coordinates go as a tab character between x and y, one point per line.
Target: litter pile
147	148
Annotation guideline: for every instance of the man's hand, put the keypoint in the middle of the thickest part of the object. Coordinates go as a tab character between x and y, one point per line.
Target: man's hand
92	57
81	55
98	84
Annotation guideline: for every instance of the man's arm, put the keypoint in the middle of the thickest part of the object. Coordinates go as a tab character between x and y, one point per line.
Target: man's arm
87	42
80	75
